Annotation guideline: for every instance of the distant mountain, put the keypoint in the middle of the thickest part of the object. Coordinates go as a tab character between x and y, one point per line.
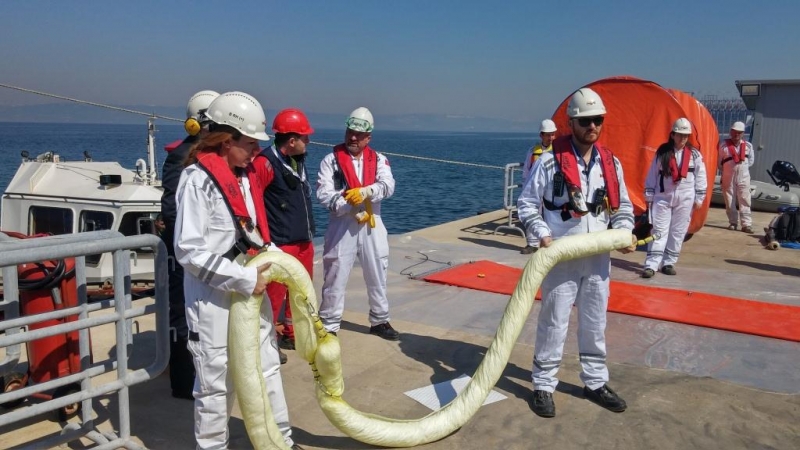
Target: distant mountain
77	113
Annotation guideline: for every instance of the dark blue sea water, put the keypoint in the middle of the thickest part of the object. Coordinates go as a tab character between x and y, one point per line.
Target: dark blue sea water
428	193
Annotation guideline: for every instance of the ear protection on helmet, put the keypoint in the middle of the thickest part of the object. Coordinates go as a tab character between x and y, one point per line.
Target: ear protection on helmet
192	126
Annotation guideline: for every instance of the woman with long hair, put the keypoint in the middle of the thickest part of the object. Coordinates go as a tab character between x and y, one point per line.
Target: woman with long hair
675	186
221	219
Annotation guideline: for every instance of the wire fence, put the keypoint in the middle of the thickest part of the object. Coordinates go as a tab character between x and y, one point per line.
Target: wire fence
725	111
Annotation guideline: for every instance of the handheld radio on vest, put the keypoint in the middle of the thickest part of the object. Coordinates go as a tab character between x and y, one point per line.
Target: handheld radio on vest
558	184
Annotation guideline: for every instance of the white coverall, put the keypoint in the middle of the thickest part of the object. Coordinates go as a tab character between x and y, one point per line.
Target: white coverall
346	239
672	207
583	282
527	167
204	231
735	184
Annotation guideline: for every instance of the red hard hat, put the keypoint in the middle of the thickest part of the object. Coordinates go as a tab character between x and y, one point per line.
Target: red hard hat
291	121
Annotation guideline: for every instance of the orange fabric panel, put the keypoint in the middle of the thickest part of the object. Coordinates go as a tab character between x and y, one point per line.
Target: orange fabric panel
639	118
673	305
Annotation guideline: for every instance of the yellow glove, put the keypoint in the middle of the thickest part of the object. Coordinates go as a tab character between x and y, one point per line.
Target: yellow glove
368	206
356	196
364	217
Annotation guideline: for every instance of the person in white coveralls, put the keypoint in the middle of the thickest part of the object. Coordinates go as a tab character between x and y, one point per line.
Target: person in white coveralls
675	186
547	132
220	219
735	158
352	182
577	188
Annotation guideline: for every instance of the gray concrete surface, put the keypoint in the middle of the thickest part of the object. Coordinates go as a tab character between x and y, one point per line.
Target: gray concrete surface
686	387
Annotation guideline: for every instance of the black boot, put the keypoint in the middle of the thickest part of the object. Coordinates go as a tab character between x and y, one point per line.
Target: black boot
542	404
669	270
606	398
285	342
385	331
282	356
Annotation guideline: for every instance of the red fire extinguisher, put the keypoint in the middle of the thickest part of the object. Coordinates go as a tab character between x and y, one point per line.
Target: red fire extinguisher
45	287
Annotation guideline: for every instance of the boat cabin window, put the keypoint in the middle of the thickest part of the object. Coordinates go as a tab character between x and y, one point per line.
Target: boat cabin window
139	222
45	219
146	225
95	221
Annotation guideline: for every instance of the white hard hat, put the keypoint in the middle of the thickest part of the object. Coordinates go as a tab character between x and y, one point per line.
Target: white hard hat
682	126
738	126
585	103
547	126
241	111
199	103
360	120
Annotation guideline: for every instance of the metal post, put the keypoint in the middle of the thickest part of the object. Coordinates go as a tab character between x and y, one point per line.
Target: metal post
151	151
121	299
509	200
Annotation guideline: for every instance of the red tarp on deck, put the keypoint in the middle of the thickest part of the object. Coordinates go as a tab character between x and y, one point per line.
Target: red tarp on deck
673	305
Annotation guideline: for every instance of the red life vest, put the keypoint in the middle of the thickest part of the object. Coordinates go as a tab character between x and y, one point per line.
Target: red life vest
568	163
739	156
220	173
673	165
345	162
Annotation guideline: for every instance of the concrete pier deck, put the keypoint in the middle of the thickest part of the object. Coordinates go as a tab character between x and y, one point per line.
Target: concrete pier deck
686	387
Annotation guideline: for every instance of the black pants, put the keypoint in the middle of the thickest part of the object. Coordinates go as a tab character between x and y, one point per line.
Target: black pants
181	366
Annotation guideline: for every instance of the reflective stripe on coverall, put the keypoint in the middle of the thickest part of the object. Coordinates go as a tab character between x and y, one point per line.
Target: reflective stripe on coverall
672	209
735	185
583	282
204	231
346	239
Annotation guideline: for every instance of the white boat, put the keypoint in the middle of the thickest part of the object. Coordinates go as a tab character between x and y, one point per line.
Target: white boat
765	197
51	196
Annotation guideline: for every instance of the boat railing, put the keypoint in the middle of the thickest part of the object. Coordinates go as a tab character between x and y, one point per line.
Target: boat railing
118	311
9	308
509	199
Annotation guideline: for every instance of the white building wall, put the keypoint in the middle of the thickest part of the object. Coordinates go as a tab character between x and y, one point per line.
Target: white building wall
776	127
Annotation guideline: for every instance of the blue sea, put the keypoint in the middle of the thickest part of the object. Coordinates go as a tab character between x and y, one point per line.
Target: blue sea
428	193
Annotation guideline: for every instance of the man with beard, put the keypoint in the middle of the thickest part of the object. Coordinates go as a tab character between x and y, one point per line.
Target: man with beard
281	168
577	170
352	182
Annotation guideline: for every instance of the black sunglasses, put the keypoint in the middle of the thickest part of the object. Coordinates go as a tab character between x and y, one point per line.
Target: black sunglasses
585	121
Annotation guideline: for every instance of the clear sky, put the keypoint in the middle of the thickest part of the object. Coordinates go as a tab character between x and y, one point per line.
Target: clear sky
513	60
